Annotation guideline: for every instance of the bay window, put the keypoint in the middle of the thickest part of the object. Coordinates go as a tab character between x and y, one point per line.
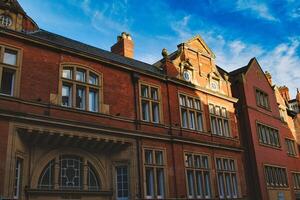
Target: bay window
81	88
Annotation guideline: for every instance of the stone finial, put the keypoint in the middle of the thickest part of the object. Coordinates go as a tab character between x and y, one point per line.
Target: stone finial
164	52
269	77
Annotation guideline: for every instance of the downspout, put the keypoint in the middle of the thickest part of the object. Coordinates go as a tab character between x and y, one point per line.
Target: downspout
135	78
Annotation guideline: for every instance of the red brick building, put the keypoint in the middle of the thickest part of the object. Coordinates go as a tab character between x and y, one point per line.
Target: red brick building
78	122
272	158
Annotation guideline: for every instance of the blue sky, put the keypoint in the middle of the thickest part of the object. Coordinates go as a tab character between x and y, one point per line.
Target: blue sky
236	30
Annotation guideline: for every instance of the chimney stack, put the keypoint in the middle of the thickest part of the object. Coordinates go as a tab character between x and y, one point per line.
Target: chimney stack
284	91
124	46
269	77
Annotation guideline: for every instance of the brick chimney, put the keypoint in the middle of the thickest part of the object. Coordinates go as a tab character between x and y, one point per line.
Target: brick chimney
269	77
284	91
124	46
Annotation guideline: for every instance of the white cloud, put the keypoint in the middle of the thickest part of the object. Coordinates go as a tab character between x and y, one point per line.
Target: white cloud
295	13
258	9
181	28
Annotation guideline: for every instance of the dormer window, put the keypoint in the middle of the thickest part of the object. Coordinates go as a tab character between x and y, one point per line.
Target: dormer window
5	20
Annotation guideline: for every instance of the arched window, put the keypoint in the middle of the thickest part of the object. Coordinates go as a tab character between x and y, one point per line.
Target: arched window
70	174
80	88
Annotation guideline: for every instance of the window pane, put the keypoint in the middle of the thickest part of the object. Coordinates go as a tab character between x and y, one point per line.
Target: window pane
184	118
159	157
207	185
191	120
190	103
93	101
197	104
148	157
211	109
190	179
92	180
154	93
226	128
155	112
7	82
66	95
46	180
122	183
145	110
93	79
80	97
199	184
149	182
213	125
18	176
160	183
197	160
221	185
70	172
188	160
144	91
228	185
182	100
67	73
10	57
199	122
80	75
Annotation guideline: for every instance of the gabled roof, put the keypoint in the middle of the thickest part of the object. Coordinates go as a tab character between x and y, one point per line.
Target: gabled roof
199	38
244	69
12	5
61	41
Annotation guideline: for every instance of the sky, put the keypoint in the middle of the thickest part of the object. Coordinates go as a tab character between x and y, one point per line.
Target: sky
235	30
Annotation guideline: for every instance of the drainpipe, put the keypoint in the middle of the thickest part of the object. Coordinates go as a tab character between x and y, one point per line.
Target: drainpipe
135	78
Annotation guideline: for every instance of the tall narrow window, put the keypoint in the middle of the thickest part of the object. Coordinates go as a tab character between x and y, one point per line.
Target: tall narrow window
122	182
18	176
219	121
8	71
290	145
191	113
84	84
227	178
154	174
296	180
198	176
150	103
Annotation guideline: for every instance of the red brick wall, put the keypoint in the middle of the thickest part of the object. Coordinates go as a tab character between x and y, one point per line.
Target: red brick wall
3	151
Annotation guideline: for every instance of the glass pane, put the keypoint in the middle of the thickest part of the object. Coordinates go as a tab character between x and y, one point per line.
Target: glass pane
226	128
219	164
47	177
211	109
7	82
199	122
197	104
184	118
145	110
92	180
80	97
93	101
155	112
93	79
220	127
217	110
182	100
159	157
148	157
199	184
207	185
70	172
149	182
67	95
188	160
160	183
67	73
221	185
122	182
190	178
80	75
190	103
205	162
224	112
197	160
144	91
228	185
18	176
191	120
213	125
154	93
10	57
